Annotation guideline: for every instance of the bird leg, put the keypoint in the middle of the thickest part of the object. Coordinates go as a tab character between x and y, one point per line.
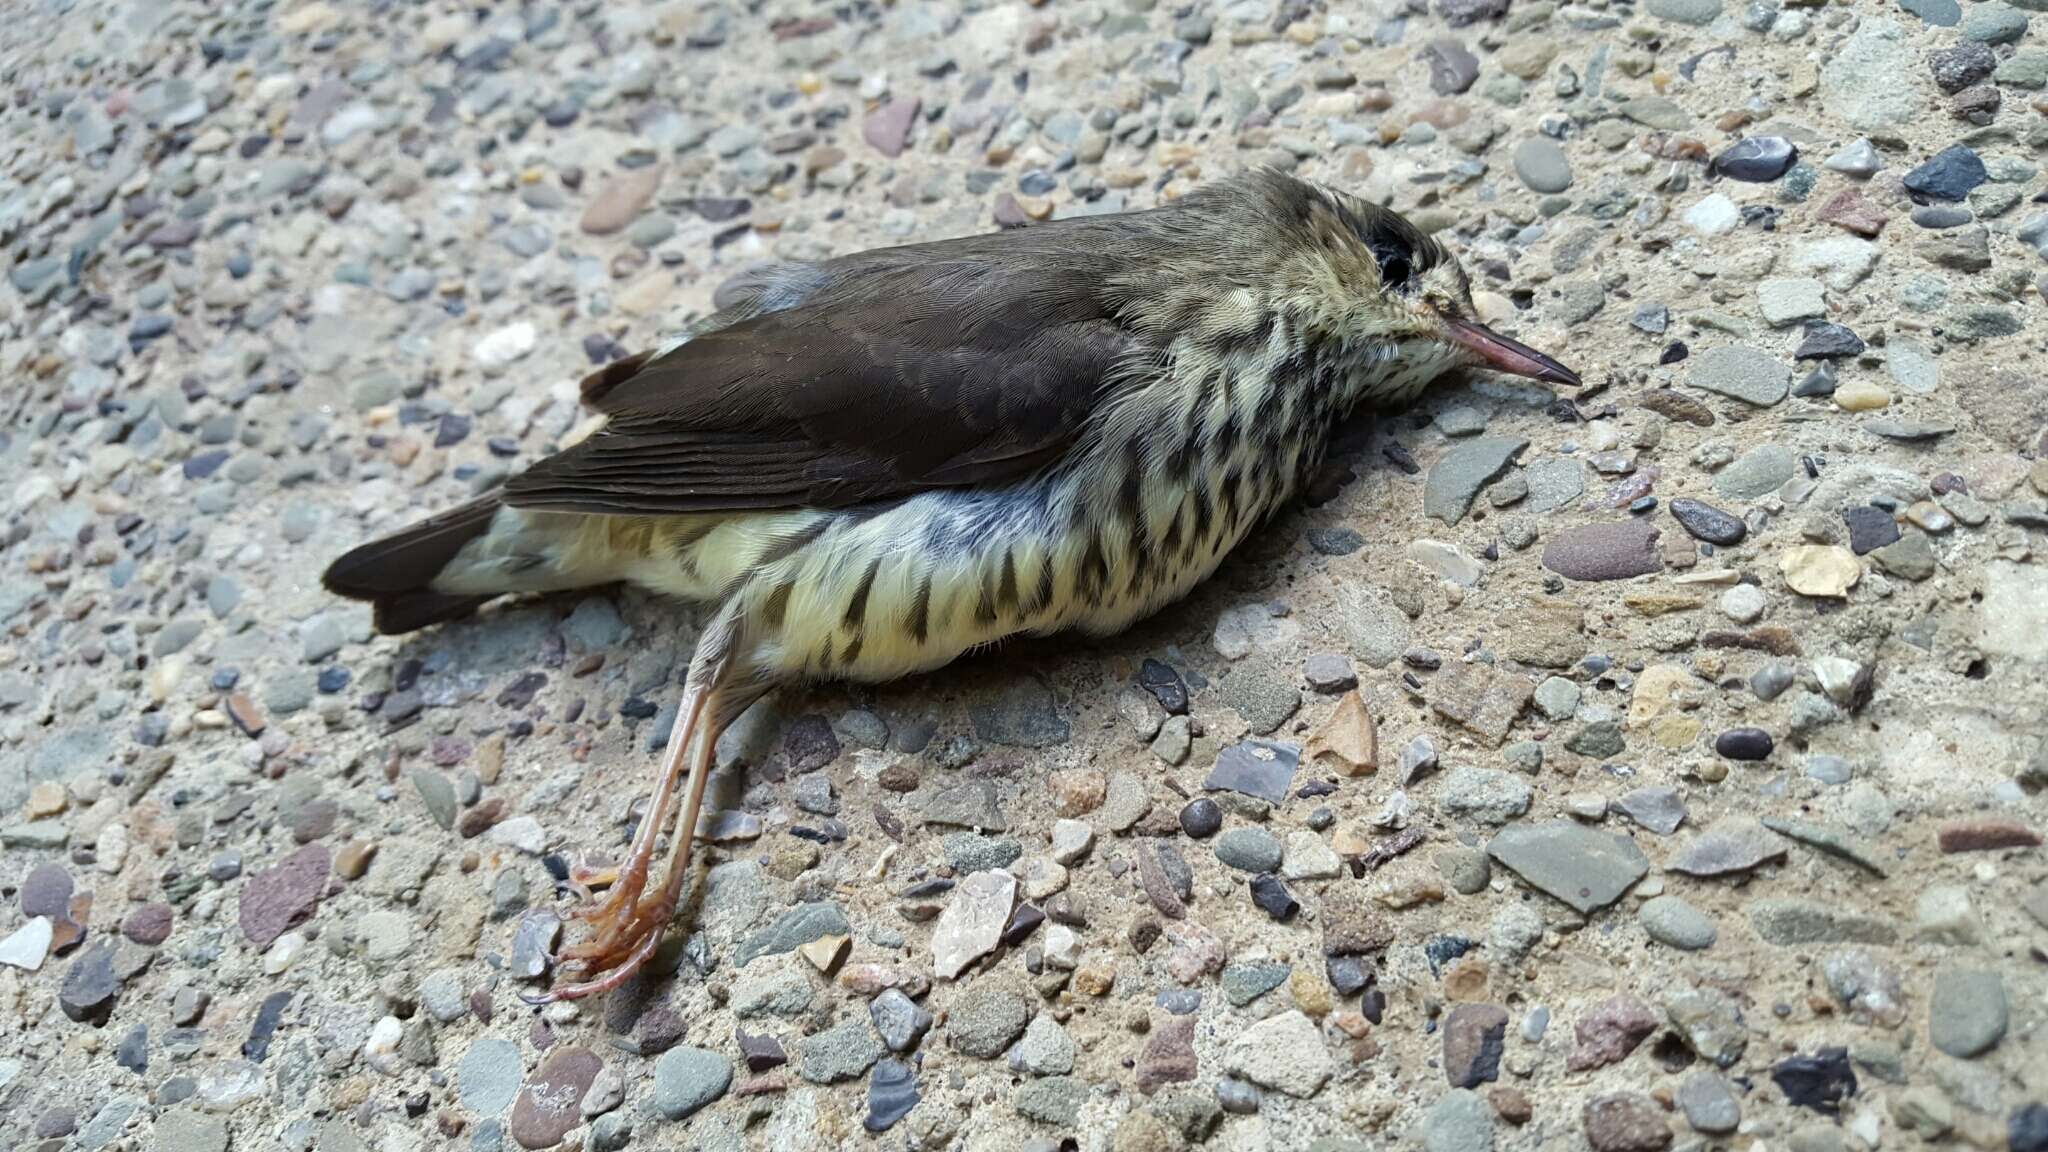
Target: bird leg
627	927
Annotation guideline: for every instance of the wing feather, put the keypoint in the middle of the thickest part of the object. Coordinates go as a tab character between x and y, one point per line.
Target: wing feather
957	363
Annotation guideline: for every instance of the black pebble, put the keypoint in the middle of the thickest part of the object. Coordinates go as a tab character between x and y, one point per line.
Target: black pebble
1820	1081
1756	160
2027	1131
1706	522
1827	341
1273	898
1744	744
1674	352
1869	528
1201	818
1165	685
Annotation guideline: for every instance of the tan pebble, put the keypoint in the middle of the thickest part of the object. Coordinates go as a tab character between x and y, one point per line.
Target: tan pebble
1348	740
353	859
1932	517
1466	980
810	84
1825	571
1079	791
826	952
1094	979
1861	396
1311	990
46	799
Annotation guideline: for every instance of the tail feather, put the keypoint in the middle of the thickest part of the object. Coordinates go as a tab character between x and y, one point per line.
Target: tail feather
396	574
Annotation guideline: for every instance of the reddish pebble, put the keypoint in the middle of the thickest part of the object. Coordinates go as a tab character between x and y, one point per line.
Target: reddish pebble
1848	209
1986	835
149	924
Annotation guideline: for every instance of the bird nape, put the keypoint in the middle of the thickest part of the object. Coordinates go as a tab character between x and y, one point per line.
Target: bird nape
875	463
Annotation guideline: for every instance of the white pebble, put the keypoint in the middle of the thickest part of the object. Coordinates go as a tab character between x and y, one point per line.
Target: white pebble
1743	603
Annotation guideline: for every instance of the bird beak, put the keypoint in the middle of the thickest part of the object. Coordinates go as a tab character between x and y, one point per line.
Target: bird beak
1510	356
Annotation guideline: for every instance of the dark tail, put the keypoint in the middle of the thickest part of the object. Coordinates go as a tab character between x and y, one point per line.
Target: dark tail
396	573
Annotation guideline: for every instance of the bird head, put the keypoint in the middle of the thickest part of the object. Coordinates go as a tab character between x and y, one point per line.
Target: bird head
1363	275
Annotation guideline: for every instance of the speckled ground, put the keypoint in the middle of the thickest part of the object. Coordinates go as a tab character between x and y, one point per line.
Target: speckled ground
1651	766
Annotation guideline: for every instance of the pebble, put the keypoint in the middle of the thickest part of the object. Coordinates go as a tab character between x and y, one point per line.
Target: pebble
1615	550
986	1021
488	1078
1756	159
1625	1122
1705	522
892	1093
899	1020
1741	373
1966	1015
1284	1052
972	924
1456	479
1249	850
1474	1036
1584	867
1820	570
1708	1104
1672	921
551	1103
1542	165
687	1079
1460	1120
1259	768
279	898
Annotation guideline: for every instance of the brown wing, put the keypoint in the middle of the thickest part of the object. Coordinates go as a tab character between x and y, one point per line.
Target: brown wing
885	374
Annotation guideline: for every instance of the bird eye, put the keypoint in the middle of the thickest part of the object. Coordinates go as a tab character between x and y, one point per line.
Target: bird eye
1395	270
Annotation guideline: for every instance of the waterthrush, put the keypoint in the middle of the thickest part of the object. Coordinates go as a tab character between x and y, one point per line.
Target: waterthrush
873	464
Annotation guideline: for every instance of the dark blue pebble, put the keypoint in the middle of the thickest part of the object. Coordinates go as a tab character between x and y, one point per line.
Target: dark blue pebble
1948	176
205	464
2027	1130
224	679
1827	341
333	678
1744	744
1756	159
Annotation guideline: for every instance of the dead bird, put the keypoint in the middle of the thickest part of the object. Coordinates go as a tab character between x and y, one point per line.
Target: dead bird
873	464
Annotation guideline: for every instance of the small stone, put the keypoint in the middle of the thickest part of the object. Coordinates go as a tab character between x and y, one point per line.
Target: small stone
1674	922
899	1020
1705	522
985	1022
488	1078
1284	1052
1950	175
277	899
973	922
1460	1120
1611	1029
1820	570
1757	473
1785	302
1742	373
1348	740
1259	768
1615	550
1625	1122
551	1103
1249	850
1966	1015
892	1093
1584	867
1542	165
844	1051
1755	159
1708	1104
687	1079
1821	1081
1456	479
1473	1039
